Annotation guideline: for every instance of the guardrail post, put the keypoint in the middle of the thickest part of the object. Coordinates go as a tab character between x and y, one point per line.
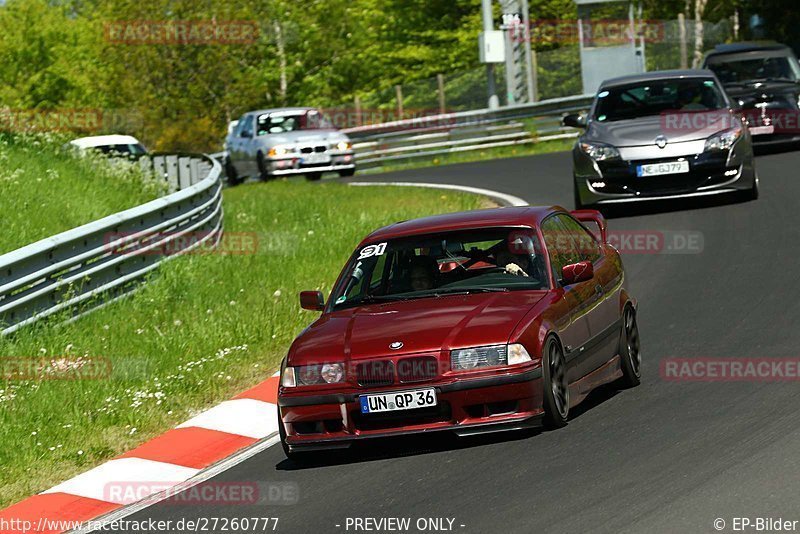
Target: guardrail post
172	173
194	175
184	172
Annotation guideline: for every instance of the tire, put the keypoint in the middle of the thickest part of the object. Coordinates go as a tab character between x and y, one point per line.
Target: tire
231	174
263	174
752	194
630	354
347	173
576	196
556	388
314	176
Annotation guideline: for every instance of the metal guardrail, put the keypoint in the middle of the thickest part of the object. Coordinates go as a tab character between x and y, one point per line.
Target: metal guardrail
84	268
433	135
463	131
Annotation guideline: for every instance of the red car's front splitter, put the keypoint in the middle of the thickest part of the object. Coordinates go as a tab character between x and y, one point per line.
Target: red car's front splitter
465	407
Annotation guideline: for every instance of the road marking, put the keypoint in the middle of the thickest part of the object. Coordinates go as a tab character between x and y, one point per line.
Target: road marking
131	472
503	198
244	417
202	476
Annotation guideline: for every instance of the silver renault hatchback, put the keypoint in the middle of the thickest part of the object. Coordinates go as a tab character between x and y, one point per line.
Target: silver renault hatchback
661	135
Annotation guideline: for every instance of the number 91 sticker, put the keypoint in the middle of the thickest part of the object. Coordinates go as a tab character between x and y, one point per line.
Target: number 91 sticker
372	250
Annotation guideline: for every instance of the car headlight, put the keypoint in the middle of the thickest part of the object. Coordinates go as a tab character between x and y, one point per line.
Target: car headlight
308	375
344	145
599	151
724	140
280	150
489	356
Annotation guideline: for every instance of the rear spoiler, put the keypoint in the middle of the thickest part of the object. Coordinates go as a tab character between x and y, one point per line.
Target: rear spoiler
596	217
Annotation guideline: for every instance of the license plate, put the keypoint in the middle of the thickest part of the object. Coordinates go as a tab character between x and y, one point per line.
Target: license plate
762	130
316	158
658	169
398	400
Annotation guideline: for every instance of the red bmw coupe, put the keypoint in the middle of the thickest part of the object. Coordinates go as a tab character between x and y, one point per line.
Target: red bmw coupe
469	322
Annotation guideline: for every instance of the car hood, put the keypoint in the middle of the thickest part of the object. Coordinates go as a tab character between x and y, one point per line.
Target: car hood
677	127
303	137
422	325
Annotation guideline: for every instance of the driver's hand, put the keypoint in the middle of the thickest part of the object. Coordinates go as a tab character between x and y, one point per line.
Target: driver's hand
513	268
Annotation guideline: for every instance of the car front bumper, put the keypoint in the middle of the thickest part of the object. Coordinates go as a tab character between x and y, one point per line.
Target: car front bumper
464	406
294	164
710	174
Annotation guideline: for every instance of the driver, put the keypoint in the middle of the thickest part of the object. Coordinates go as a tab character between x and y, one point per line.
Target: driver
423	273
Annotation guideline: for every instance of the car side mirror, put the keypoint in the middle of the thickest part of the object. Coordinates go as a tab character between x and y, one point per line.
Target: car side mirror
312	300
574	120
577	272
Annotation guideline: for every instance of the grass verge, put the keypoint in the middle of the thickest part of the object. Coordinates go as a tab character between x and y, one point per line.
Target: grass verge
45	190
207	327
529	149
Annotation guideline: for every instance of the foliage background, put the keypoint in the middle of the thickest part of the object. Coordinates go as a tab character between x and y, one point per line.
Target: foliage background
54	55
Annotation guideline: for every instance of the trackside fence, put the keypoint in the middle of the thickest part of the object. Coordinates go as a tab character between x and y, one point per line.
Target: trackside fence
84	268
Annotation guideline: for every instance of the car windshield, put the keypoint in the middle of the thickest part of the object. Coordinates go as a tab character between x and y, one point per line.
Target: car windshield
122	150
651	98
733	70
290	121
462	262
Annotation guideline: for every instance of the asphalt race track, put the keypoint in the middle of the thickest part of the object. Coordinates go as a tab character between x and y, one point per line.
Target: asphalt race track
664	457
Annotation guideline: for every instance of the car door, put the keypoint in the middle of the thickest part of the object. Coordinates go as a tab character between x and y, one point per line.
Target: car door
602	299
574	323
244	161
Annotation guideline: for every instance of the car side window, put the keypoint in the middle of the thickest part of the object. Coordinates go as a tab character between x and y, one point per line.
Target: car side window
560	245
246	129
585	241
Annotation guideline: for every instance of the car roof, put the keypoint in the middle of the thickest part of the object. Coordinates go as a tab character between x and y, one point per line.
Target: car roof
736	48
274	110
657	75
530	216
104	140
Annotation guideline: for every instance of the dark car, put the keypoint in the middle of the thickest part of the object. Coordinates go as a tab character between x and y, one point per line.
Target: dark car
764	80
467	322
661	135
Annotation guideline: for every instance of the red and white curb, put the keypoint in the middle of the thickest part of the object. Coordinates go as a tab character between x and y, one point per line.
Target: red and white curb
186	455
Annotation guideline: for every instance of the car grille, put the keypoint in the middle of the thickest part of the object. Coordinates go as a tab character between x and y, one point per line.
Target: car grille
375	373
417	368
393	420
310	149
620	176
